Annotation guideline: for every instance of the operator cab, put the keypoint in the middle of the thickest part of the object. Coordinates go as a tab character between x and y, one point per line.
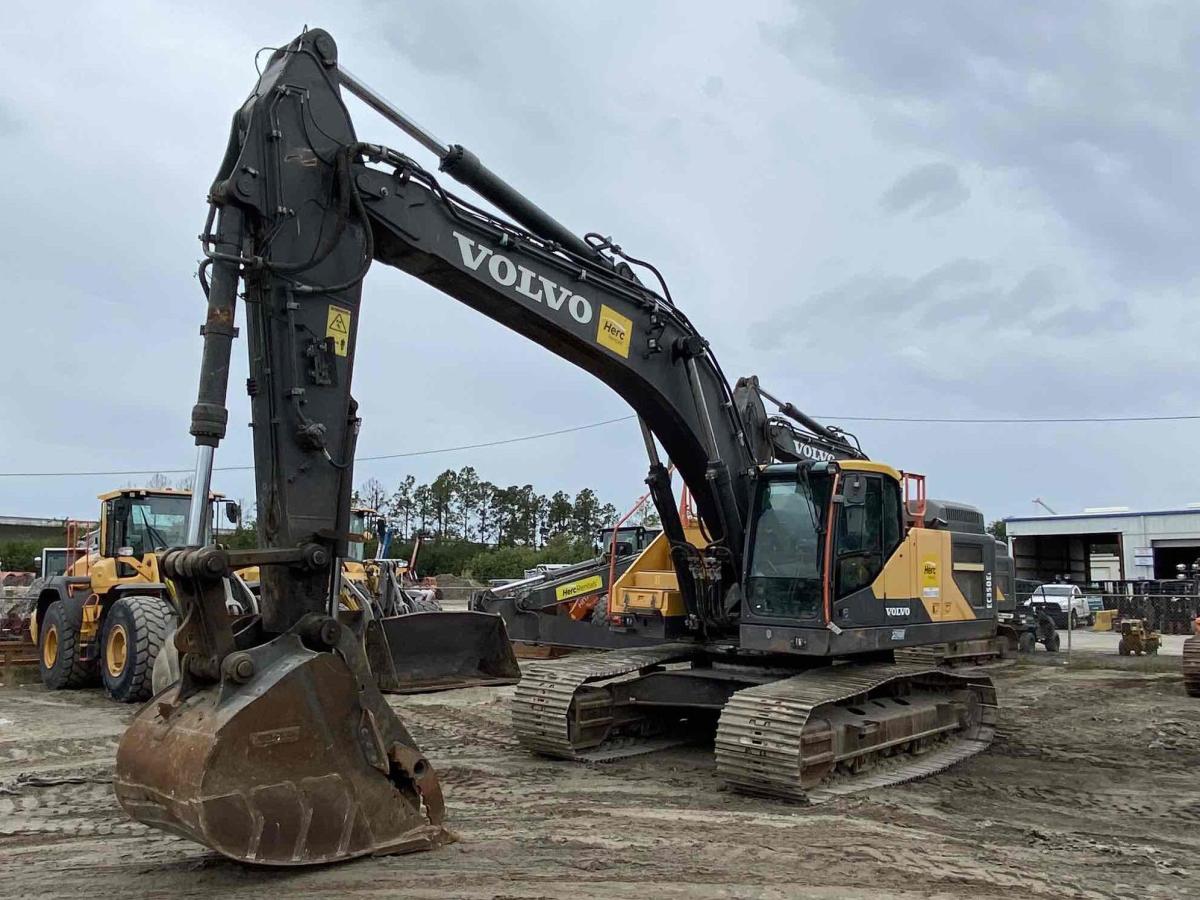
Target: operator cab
837	562
630	539
360	517
785	574
138	521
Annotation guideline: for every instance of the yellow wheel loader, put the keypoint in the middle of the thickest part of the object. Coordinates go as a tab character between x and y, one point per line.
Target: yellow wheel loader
105	619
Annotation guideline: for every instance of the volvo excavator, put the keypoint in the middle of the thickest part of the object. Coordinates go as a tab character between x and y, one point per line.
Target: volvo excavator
799	581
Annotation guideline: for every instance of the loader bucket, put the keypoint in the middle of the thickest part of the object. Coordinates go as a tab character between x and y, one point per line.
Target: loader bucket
438	651
301	763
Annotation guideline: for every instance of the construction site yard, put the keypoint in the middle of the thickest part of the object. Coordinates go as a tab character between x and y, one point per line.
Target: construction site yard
1091	790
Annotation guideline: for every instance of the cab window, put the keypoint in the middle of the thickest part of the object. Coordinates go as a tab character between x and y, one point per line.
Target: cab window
868	530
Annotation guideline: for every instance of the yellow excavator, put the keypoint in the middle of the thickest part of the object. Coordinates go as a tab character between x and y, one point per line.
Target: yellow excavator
106	617
789	599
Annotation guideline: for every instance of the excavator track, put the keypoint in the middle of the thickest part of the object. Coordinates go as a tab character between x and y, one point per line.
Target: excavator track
844	729
957	653
810	737
1191	666
553	718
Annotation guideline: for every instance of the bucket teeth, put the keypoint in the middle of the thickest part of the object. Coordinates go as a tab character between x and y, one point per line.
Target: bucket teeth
302	764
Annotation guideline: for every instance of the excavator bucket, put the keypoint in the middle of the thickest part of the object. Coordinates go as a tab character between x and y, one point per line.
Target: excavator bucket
293	758
439	651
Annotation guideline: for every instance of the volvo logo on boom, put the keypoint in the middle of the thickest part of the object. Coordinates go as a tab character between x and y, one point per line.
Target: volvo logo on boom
525	282
807	451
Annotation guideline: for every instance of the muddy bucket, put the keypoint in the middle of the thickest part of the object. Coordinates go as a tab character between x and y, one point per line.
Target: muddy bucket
292	759
439	651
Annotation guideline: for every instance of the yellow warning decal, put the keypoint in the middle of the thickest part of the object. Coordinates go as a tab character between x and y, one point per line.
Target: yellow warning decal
576	588
337	326
614	331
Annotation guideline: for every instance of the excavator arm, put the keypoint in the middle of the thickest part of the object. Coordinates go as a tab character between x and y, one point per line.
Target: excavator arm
301	210
276	746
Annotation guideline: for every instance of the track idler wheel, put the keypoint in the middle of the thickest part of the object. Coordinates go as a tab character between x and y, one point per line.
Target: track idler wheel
293	758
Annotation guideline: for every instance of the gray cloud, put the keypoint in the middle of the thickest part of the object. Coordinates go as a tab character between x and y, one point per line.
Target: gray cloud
10	124
1091	105
806	206
959	300
927	190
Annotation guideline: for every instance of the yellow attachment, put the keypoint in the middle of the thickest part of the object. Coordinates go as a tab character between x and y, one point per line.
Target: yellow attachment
650	585
1104	620
50	647
116	651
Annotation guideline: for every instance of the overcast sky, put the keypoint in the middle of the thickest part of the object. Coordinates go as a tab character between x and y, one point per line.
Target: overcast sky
917	209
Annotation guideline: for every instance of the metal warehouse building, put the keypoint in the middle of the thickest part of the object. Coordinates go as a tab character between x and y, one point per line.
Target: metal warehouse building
1098	546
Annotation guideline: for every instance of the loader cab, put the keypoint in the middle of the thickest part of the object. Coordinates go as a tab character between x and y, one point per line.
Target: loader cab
137	521
630	539
838	563
134	523
362	520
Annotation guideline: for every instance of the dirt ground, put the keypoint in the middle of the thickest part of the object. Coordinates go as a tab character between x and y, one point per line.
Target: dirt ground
1092	789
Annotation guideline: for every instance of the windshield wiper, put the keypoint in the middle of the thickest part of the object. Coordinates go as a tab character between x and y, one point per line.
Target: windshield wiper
160	542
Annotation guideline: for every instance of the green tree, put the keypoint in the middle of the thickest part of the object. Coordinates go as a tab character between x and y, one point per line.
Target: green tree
244	537
605	517
505	513
503	562
466	499
559	513
999	530
19	556
371	493
648	516
442	493
422	506
401	506
585	514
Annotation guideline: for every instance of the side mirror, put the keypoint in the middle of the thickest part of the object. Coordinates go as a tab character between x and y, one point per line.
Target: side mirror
233	512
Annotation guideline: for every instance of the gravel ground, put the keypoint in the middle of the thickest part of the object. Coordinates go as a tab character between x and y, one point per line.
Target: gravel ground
1090	790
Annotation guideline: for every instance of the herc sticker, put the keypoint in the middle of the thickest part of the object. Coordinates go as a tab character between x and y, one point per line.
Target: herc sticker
337	326
614	331
576	588
931	587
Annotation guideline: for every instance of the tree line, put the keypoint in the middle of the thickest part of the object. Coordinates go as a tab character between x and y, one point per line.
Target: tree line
467	525
459	505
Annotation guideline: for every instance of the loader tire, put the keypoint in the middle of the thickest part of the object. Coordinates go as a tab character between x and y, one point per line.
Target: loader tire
135	629
166	669
1026	643
58	648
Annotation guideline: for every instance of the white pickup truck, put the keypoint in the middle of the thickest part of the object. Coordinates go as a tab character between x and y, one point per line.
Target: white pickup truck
1063	601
